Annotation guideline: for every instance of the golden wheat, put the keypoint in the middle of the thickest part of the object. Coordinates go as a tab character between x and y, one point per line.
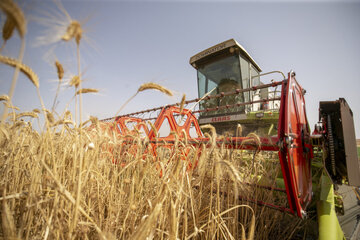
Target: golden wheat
60	70
10	106
154	86
87	90
15	15
75	81
36	110
23	68
50	116
239	130
26	114
182	103
7	221
94	120
121	200
74	30
152	126
4	98
8	29
70	182
61	122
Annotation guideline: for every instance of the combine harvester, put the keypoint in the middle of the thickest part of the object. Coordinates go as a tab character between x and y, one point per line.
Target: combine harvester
232	97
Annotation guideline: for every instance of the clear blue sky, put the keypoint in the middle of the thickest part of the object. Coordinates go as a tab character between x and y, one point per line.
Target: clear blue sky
130	43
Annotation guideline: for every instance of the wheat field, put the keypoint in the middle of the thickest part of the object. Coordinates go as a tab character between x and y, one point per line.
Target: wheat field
66	180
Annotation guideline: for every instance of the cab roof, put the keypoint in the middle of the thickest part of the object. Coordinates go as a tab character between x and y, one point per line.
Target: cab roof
219	47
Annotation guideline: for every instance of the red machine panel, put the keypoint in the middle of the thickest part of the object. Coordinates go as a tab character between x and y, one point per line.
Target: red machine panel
296	153
168	113
127	125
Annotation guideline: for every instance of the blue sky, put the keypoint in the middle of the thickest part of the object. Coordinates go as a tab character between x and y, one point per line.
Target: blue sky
129	43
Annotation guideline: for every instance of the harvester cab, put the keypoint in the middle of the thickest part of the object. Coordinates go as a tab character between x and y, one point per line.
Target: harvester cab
225	68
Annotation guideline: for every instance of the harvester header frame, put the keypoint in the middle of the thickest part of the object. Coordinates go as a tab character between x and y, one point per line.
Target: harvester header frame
291	144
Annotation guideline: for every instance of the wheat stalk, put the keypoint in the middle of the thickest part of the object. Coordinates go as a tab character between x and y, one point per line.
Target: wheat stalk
143	87
75	81
152	126
87	90
74	30
26	114
36	110
8	29
60	70
7	220
4	98
182	103
239	130
118	198
15	15
61	122
94	120
23	68
50	116
202	98
10	106
213	133
154	86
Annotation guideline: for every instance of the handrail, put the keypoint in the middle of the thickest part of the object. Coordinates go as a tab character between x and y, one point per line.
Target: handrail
236	105
263	74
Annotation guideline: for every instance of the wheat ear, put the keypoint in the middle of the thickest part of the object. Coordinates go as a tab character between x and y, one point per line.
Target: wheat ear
87	90
23	68
182	103
154	86
60	70
143	87
4	98
14	14
8	29
74	30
